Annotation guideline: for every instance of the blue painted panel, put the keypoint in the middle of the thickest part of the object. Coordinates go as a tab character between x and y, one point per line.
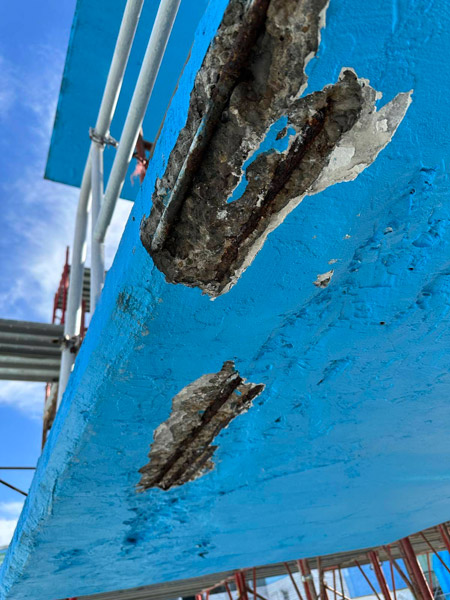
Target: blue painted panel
94	32
357	584
346	448
442	574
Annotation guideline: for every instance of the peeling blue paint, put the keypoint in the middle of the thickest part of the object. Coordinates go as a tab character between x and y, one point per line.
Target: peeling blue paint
311	469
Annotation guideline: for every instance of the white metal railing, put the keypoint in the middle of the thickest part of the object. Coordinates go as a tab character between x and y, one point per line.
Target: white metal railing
103	204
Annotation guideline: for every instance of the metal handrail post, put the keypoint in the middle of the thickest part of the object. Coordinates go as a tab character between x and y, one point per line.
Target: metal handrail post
97	248
154	53
110	95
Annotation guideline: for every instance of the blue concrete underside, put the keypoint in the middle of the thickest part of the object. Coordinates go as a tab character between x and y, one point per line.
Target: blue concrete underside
94	32
347	446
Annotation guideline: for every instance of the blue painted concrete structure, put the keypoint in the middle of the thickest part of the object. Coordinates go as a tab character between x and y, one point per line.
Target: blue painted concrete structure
94	32
347	445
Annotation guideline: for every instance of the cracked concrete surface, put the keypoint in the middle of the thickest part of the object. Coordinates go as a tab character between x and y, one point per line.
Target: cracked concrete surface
251	77
181	450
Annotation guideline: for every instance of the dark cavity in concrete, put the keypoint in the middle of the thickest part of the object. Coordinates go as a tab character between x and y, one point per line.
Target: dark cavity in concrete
252	76
181	450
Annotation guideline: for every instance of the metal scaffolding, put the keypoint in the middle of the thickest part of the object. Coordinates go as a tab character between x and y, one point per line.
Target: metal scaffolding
30	351
243	582
103	203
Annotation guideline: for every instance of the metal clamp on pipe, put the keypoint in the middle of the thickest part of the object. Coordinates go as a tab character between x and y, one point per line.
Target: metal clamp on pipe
71	343
102	140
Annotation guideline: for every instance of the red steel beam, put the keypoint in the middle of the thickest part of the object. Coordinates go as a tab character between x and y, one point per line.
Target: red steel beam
394	591
415	569
373	556
369	583
322	587
435	552
249	590
294	583
241	586
65	286
336	593
307	578
399	570
430	576
445	537
227	587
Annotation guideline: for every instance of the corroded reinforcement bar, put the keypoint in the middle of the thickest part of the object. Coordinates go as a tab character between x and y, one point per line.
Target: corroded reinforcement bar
198	233
246	36
181	450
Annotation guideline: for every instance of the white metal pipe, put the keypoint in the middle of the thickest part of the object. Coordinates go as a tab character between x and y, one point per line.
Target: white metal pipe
31	327
149	70
73	312
28	339
47	362
119	62
97	248
110	95
28	375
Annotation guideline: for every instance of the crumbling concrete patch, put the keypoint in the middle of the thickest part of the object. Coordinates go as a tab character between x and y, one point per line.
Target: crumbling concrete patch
181	450
251	77
323	279
360	145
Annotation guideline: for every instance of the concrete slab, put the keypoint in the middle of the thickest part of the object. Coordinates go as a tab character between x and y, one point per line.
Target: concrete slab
346	446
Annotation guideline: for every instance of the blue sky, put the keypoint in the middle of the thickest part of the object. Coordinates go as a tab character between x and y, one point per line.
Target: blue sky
36	216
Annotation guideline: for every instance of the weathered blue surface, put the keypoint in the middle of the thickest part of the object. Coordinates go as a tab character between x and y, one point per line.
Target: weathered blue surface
442	573
347	446
94	32
358	586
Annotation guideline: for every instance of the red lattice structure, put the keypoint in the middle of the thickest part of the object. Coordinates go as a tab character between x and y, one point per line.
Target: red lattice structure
59	317
428	543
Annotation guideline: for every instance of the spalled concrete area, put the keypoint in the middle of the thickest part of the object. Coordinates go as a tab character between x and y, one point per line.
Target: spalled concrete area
181	450
346	445
198	234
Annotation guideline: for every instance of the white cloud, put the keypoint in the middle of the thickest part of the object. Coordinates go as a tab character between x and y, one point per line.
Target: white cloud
11	509
43	229
9	514
39	215
7	527
25	396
